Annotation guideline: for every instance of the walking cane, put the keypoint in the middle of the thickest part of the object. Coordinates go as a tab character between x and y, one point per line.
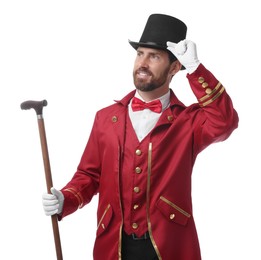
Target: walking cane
38	107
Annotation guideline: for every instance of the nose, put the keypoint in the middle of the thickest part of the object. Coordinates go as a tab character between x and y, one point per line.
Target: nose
143	62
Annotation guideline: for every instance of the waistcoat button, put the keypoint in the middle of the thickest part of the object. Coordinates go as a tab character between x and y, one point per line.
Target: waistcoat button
138	170
136	189
135	225
135	206
138	152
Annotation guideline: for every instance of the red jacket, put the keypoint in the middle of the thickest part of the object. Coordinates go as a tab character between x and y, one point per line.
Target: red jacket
173	145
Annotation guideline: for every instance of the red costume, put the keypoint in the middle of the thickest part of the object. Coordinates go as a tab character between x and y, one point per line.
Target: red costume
146	186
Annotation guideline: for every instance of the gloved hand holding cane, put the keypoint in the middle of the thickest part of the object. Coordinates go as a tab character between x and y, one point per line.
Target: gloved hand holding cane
186	52
53	203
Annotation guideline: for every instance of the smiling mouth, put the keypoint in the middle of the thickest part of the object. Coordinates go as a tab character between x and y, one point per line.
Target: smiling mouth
143	74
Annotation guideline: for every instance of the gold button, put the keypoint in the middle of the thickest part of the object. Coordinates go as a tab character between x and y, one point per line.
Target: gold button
135	225
204	84
114	119
172	216
201	80
138	152
170	118
136	189
135	206
138	170
208	91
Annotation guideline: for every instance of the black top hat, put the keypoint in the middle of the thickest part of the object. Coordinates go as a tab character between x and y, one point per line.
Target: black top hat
159	29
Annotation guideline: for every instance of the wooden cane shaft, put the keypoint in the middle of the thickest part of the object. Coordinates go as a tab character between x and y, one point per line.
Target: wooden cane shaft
49	184
45	154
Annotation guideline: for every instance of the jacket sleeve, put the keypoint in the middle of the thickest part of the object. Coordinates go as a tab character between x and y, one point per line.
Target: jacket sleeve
85	182
215	119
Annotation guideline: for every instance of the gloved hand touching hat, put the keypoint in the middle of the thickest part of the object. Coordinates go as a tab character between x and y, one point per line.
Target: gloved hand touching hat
186	52
53	203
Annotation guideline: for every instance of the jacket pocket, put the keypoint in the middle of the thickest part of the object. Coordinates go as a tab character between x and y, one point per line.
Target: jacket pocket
105	220
172	212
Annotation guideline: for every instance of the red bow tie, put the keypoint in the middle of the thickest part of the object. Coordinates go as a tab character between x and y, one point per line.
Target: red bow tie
138	104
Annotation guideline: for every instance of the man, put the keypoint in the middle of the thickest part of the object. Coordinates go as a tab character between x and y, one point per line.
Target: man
141	152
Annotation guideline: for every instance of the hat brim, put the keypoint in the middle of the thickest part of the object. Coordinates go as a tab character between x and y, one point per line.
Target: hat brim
152	45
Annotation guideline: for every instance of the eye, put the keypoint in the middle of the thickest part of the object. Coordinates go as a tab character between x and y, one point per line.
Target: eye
155	57
139	53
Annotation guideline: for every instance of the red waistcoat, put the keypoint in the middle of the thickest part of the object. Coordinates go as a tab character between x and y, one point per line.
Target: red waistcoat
160	184
134	182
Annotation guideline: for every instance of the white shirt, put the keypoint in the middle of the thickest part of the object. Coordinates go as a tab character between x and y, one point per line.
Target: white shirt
144	121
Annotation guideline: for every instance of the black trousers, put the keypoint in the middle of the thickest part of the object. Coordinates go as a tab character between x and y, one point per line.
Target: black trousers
134	248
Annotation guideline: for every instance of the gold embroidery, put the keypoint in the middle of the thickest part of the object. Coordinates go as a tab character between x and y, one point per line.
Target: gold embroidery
77	195
175	206
120	242
214	98
148	202
211	93
120	230
103	215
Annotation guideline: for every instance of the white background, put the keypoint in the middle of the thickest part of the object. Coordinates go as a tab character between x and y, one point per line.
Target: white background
76	55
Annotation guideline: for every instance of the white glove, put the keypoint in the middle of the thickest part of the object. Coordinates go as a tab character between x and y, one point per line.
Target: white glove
53	203
186	52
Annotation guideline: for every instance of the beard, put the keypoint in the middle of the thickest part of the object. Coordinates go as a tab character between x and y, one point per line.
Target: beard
153	83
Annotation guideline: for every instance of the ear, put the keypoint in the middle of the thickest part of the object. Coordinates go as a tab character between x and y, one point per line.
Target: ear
175	67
